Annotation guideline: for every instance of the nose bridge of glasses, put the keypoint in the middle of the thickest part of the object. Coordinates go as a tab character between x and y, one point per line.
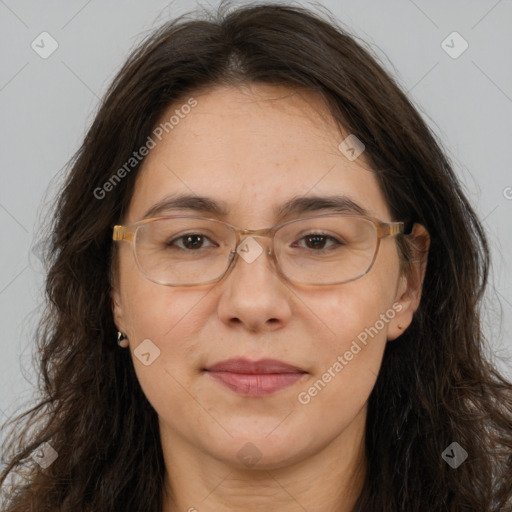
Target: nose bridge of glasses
264	233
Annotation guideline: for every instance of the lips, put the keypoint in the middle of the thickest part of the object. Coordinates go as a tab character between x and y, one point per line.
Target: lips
252	367
255	378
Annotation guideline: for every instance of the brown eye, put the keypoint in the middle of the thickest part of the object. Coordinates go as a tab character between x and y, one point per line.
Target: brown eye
191	241
317	241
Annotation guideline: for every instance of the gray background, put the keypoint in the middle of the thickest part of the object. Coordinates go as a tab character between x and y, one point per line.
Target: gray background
47	104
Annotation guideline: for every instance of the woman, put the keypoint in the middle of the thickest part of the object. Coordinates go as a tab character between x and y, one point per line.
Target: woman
264	292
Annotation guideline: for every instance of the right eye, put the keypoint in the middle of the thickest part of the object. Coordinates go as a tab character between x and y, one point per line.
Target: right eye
190	241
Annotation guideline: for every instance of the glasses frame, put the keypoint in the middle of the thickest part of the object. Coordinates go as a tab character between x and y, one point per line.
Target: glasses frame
384	229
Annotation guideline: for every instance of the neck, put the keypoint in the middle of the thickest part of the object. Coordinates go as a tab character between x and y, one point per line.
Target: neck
329	480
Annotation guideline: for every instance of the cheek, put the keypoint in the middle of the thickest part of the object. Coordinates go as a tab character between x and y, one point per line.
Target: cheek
165	323
155	311
172	321
355	320
350	310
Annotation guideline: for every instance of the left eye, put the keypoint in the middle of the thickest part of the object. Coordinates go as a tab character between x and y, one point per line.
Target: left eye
318	241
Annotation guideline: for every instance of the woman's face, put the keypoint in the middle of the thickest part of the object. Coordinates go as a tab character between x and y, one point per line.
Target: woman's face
252	150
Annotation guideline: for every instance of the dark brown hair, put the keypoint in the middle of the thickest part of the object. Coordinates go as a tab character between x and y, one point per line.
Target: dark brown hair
435	386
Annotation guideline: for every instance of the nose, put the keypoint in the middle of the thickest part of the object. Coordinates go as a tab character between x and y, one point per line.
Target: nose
253	293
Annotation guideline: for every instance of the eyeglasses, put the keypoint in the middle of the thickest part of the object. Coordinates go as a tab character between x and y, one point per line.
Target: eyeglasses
321	250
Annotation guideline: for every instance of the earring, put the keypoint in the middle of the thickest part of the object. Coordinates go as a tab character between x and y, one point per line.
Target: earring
122	340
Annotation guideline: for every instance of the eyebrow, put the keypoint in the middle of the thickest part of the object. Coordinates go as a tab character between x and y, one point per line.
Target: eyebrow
294	206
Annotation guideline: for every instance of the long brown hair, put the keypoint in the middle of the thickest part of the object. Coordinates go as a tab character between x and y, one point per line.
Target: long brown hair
435	386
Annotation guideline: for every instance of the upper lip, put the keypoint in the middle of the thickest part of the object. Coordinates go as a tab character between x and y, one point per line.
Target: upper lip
246	366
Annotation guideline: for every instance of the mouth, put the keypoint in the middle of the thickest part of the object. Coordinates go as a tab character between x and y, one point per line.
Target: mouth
255	378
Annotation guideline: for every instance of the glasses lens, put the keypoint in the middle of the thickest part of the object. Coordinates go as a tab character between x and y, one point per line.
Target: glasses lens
183	251
326	250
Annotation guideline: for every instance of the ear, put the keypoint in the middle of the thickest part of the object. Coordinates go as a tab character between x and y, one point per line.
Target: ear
117	308
409	289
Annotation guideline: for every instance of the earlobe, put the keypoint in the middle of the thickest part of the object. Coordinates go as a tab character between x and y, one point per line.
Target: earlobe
122	340
399	324
401	320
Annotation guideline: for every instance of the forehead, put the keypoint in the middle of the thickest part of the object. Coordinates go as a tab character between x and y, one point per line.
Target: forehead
252	148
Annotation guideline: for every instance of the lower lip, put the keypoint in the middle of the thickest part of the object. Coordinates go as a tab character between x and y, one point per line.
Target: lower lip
256	384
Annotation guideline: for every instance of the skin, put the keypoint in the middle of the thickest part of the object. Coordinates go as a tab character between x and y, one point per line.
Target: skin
255	147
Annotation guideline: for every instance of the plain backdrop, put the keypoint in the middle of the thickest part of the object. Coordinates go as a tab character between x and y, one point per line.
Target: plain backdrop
48	103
